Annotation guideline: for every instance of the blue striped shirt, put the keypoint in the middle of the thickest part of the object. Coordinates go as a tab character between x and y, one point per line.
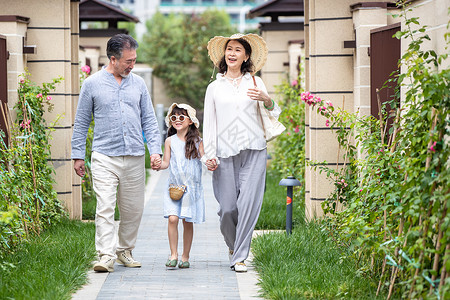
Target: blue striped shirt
121	113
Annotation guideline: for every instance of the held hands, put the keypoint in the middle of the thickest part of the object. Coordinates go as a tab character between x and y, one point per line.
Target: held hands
155	161
211	164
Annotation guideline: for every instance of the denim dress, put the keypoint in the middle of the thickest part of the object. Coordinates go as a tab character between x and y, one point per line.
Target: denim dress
191	206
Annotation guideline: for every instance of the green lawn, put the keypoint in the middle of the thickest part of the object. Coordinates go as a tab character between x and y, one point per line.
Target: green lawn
306	264
51	266
273	210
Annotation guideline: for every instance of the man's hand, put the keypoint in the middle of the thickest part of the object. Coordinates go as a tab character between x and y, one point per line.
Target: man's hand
155	160
79	167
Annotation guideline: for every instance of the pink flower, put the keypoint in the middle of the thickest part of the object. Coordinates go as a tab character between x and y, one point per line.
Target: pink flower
86	69
39	95
329	103
288	133
296	130
327	123
294	82
345	185
22	80
360	190
307	97
49	98
25	124
432	147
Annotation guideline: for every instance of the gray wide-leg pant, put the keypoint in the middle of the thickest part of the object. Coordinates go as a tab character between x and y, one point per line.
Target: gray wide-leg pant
238	185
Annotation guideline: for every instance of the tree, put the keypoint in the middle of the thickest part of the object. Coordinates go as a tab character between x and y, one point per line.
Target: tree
175	47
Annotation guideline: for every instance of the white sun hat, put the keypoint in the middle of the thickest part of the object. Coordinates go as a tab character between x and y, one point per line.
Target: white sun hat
190	110
216	48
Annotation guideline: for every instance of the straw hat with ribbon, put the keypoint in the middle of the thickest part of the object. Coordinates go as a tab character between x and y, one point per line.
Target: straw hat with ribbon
216	48
190	110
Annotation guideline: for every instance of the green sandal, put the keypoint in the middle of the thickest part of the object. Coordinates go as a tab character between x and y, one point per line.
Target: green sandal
171	263
184	264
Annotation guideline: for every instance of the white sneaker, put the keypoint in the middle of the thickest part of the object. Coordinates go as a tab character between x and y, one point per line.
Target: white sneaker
127	259
240	267
106	264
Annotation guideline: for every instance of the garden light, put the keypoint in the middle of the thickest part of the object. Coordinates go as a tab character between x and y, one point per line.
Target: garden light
290	182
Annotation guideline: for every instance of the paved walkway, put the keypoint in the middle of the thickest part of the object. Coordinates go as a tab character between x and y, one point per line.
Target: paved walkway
209	276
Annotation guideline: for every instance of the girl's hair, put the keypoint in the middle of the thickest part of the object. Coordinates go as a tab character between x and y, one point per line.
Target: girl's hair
192	135
246	66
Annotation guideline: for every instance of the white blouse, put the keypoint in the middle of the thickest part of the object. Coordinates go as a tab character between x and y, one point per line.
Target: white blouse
231	122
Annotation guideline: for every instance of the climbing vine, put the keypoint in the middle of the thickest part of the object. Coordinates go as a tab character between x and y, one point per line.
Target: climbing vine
395	185
28	202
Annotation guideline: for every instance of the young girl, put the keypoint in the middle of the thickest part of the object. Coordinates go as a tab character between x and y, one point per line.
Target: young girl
182	155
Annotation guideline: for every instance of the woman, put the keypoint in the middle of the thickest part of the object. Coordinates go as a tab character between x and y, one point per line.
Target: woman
234	137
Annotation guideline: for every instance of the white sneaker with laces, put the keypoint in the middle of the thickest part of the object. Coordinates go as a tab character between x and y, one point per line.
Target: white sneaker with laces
106	264
240	267
127	259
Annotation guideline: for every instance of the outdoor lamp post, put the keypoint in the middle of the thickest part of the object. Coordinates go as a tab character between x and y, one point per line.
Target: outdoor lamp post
290	182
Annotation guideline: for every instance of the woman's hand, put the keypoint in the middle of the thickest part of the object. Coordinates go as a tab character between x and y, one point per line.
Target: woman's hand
259	95
211	164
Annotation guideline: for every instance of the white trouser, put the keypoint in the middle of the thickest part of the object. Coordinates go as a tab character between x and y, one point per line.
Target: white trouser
121	178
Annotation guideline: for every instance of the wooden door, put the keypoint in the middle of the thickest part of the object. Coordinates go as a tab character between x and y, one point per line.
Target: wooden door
3	86
384	58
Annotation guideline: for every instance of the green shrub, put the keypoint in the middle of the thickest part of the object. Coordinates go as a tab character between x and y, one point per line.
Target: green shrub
29	203
396	193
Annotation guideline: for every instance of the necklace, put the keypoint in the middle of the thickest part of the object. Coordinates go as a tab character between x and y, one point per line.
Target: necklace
234	81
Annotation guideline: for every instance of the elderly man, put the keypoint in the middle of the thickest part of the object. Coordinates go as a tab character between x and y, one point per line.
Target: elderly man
122	109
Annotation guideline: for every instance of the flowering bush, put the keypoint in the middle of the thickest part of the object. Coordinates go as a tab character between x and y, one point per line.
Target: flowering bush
29	202
395	194
289	147
84	73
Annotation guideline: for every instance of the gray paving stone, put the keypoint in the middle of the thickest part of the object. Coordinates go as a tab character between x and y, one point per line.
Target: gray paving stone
209	276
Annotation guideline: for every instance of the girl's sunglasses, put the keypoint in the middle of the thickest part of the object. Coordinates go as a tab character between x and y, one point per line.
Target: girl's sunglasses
180	118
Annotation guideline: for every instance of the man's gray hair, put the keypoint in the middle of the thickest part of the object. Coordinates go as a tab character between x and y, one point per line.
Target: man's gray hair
118	43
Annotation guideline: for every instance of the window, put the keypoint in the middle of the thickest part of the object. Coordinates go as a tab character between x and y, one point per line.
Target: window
234	17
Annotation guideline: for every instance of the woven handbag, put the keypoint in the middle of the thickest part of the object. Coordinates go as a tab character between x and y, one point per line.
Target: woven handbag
176	191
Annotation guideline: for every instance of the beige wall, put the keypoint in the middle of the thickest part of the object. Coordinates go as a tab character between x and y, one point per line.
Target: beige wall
329	74
98	43
342	75
434	15
278	42
15	32
53	28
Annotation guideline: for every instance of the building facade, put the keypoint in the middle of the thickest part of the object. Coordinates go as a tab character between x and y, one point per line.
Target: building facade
42	37
346	50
